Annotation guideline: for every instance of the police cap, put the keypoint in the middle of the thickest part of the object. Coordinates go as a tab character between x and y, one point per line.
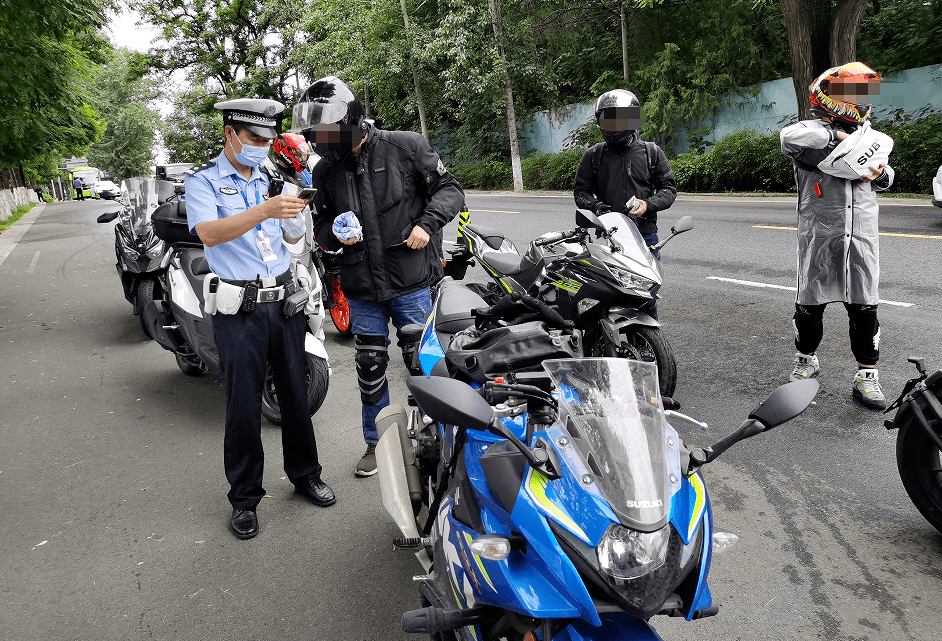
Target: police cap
259	115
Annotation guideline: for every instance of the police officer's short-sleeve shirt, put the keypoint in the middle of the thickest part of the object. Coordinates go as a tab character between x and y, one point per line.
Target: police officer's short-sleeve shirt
220	191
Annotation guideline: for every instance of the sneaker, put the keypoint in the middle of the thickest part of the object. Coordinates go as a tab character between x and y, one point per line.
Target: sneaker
367	464
806	366
867	390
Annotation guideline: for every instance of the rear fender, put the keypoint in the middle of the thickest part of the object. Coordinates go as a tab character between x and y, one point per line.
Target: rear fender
315	347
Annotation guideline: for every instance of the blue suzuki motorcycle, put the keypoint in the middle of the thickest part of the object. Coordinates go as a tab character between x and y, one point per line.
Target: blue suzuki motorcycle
557	504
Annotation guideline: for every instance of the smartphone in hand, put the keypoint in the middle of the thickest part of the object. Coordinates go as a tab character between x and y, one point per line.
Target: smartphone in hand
307	193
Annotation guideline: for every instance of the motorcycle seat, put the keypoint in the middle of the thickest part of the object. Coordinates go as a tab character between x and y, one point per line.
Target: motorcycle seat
453	310
195	266
506	264
493	237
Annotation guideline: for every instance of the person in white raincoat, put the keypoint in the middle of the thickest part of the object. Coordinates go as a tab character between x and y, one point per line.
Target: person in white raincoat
838	233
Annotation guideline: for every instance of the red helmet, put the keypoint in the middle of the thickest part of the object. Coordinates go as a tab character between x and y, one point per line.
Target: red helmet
292	149
838	90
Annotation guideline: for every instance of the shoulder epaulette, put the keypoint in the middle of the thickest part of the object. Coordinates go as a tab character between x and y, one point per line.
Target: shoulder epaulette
198	168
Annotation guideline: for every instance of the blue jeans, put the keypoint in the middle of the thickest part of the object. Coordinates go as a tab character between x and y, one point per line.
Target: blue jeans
370	318
650	307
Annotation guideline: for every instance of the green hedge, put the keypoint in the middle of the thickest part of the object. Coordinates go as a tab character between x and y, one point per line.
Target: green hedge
743	161
917	151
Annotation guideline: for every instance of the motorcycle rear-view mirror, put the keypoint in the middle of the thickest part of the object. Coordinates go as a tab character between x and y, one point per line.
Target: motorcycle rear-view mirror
451	402
108	216
587	220
684	224
785	403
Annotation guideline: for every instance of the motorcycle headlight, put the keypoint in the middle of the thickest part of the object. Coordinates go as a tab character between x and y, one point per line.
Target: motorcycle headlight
628	554
156	249
631	281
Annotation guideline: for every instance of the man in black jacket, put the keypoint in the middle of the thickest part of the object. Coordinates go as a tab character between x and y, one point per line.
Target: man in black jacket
382	197
624	166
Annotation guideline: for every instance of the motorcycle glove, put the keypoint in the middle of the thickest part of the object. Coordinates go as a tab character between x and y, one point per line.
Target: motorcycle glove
602	208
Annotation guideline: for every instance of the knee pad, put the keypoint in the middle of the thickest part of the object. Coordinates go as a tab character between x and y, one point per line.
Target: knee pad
371	359
410	354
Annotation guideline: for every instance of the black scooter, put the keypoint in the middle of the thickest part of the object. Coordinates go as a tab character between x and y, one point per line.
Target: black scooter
141	257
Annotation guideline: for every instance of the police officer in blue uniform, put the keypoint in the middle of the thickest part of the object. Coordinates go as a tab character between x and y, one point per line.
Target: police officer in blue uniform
242	231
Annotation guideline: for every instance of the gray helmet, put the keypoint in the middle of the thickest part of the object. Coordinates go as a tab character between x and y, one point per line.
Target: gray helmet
618	116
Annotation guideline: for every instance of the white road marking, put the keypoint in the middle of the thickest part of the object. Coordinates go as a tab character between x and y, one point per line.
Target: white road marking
751	283
32	265
13	234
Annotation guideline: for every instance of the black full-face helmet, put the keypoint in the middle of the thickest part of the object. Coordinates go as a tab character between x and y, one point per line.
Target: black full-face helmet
330	118
618	116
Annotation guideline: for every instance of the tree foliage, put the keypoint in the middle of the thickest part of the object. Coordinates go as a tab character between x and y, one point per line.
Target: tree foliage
123	92
49	50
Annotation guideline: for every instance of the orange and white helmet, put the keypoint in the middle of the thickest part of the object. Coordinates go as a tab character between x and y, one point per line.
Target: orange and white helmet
837	92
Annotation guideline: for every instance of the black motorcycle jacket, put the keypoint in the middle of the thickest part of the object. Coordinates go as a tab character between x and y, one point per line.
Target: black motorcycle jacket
613	175
396	183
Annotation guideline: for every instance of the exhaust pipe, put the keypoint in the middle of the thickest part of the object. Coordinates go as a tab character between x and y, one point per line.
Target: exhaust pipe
391	467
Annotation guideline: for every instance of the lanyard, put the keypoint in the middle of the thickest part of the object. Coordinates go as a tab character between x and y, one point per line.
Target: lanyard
242	193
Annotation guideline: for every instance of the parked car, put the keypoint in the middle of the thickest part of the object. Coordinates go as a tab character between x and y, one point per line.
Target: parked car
937	189
106	189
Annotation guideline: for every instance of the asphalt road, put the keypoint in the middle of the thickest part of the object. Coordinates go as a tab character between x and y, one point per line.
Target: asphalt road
114	519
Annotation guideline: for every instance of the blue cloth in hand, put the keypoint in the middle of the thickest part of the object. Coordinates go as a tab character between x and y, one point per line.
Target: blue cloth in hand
346	226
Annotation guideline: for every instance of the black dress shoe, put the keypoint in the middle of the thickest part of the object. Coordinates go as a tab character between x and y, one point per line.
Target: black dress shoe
316	491
244	523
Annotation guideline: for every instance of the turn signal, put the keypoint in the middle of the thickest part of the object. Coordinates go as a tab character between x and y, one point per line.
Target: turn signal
491	546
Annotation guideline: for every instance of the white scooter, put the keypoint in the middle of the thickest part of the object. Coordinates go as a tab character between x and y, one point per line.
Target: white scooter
181	325
937	189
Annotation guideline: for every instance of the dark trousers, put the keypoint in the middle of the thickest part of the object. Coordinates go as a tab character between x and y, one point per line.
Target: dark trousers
864	330
246	343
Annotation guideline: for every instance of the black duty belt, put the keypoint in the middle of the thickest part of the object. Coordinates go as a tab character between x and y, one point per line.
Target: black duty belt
268	282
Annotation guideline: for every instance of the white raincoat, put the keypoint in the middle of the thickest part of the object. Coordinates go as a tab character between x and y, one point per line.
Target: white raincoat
838	234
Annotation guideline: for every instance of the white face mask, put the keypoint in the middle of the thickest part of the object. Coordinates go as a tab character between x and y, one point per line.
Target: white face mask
250	156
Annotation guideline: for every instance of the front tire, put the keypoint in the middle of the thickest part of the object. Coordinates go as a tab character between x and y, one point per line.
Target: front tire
649	344
920	464
316	377
145	294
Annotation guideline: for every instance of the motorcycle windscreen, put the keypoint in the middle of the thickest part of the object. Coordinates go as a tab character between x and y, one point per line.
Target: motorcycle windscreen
615	406
634	251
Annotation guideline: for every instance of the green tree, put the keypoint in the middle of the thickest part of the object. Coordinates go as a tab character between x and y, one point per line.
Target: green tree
193	132
124	91
49	50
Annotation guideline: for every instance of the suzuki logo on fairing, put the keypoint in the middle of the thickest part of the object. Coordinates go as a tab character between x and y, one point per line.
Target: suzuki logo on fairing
869	153
645	504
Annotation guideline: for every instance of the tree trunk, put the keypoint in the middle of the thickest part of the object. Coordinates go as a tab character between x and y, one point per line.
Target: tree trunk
624	45
415	73
847	19
508	88
808	24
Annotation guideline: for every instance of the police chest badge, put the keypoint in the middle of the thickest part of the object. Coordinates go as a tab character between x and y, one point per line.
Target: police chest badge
229	191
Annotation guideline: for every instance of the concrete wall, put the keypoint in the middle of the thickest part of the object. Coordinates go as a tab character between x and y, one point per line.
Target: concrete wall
768	112
11	199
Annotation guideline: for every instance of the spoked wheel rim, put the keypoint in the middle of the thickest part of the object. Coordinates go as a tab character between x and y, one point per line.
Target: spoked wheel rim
340	312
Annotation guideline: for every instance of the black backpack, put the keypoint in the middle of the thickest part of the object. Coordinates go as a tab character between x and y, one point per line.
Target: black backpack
649	154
